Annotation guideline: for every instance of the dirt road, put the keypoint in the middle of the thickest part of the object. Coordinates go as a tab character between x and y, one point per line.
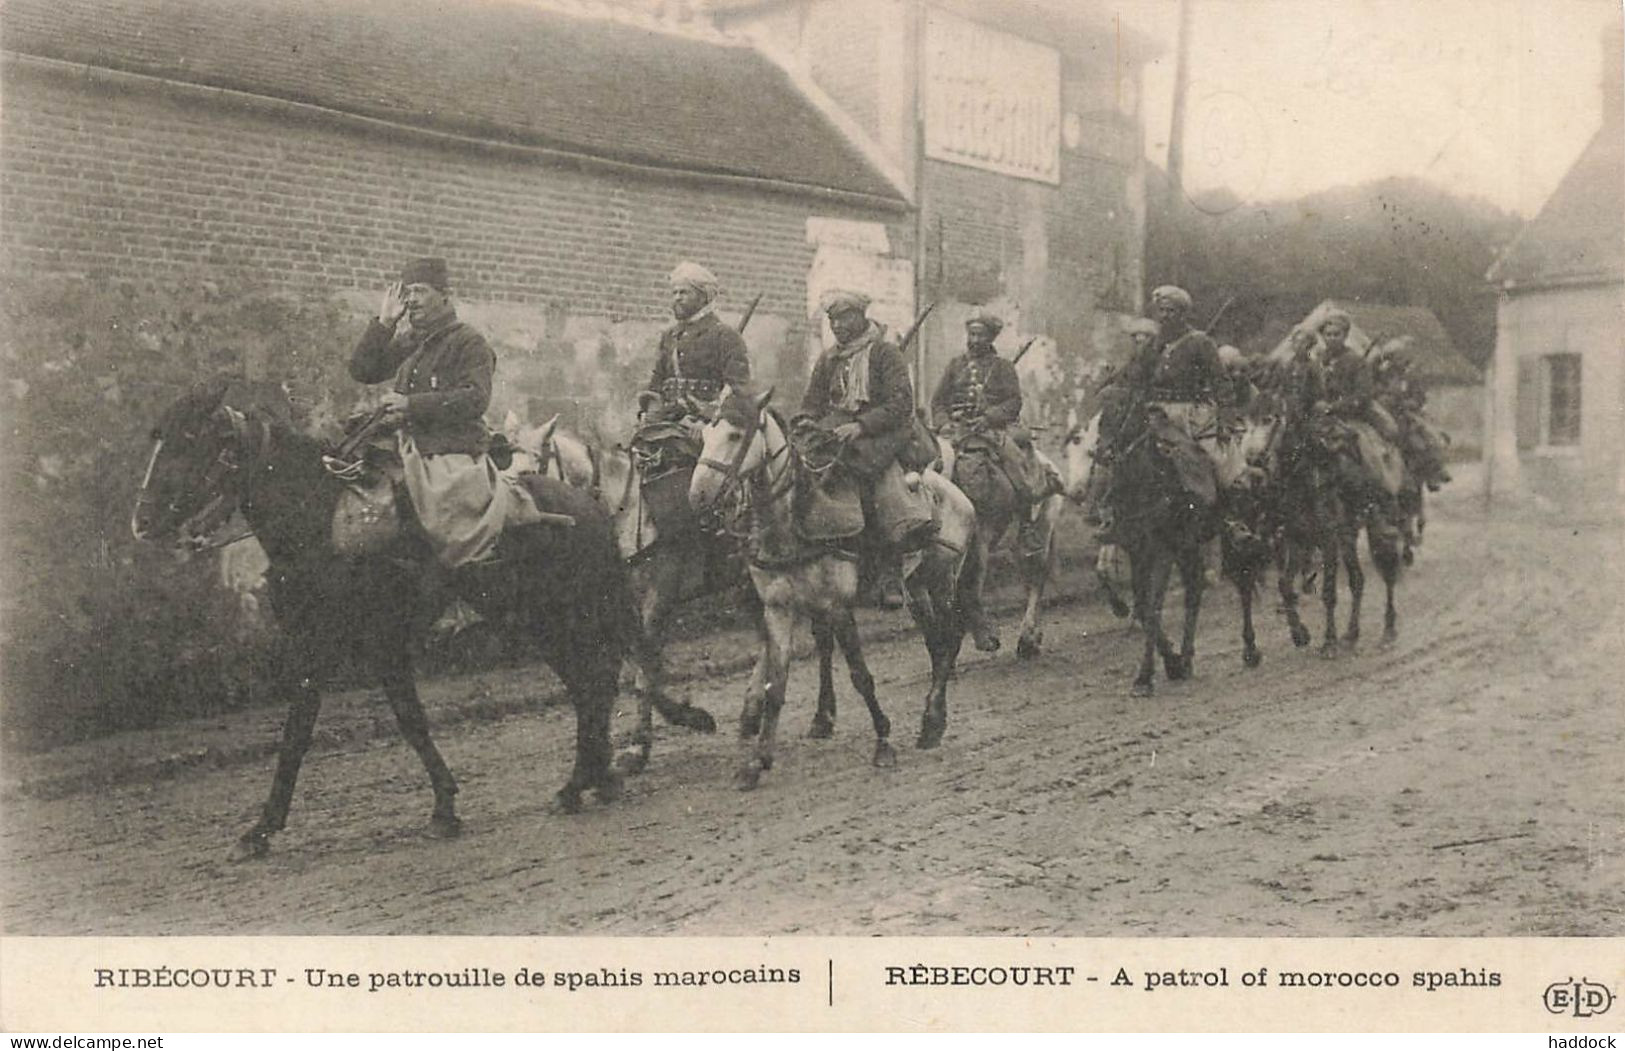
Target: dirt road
1465	781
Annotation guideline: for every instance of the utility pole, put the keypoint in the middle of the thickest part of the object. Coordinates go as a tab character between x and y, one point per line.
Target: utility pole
1174	204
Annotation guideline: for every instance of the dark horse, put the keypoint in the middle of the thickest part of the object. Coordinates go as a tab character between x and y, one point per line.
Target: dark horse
1161	528
1323	502
565	585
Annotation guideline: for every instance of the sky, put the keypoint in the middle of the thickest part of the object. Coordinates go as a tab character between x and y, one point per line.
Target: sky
1492	98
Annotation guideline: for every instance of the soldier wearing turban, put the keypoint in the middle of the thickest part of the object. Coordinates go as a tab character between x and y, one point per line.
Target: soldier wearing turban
860	391
980	393
698	354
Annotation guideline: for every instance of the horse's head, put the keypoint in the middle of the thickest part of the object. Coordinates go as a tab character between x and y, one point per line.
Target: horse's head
194	474
534	450
1080	443
732	448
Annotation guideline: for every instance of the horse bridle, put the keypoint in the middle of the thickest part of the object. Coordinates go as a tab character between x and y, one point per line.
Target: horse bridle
730	471
223	477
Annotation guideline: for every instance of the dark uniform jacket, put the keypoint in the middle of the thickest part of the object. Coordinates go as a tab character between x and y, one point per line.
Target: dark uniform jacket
984	383
445	374
1349	385
1185	368
887	416
701	354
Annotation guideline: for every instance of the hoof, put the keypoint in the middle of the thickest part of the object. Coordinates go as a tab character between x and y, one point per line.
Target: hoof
1390	636
633	760
610	788
1120	609
253	845
748	776
1179	668
1300	636
1329	650
1252	658
750	727
568	800
1141	689
821	728
987	641
885	755
930	735
445	826
1027	647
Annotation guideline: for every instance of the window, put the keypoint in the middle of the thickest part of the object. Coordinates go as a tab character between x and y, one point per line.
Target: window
1562	400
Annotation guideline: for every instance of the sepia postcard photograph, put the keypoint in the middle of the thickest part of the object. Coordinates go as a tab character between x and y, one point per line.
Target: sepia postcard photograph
813	469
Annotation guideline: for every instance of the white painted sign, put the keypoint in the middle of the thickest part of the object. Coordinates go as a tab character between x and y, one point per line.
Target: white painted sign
848	233
992	100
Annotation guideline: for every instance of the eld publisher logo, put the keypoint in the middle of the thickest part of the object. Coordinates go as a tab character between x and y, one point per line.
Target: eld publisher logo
1582	998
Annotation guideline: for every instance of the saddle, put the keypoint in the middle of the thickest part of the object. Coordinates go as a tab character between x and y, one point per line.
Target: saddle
1191	464
1360	455
367	520
664	453
826	501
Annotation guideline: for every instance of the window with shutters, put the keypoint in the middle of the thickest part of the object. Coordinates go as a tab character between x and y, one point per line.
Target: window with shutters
1561	425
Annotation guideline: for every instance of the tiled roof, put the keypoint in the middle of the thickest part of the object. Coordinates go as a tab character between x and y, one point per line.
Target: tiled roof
1579	236
501	70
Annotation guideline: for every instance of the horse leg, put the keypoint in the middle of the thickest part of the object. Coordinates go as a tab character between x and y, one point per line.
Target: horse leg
1151	587
1287	562
589	674
661	598
823	724
944	632
1386	557
1243	572
1193	578
987	639
1350	543
844	626
1037	567
779	622
297	731
400	686
1328	591
750	713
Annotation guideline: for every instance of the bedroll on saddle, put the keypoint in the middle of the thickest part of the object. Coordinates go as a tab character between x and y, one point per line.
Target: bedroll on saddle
1190	461
1364	458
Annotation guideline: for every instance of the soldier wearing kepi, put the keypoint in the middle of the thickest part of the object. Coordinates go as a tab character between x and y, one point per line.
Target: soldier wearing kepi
860	391
699	354
981	393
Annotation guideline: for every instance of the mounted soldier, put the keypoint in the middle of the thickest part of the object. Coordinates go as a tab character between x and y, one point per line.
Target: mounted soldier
442	370
1187	398
1420	442
1358	431
699	357
860	395
980	395
699	354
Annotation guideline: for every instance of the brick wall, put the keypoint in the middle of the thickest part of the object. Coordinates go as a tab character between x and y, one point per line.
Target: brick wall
565	269
1061	262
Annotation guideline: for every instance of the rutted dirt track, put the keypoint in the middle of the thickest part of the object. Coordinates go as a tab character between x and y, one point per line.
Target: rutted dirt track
1465	781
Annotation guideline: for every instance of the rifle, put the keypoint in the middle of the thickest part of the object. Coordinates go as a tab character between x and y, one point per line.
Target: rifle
914	329
1025	347
749	312
1220	314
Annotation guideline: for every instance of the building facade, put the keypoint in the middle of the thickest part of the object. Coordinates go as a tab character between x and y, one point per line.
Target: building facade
1016	127
1557	390
562	159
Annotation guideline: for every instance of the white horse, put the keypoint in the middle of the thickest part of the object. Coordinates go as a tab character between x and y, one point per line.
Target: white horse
798	581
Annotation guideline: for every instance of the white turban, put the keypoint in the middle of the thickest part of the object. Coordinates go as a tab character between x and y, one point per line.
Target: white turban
695	276
1171	293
